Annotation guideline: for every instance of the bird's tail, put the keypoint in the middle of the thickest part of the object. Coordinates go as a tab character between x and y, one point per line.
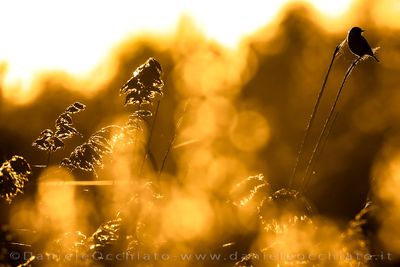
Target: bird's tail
373	53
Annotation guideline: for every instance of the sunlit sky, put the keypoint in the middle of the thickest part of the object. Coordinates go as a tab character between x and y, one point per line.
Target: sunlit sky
74	36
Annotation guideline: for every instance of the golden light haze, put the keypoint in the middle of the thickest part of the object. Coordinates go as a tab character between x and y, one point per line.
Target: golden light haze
76	37
387	183
206	165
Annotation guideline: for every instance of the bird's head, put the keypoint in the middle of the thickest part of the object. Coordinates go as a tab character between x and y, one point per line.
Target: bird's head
356	30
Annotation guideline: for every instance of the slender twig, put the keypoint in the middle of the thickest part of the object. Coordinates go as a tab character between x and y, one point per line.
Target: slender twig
135	141
328	119
149	140
325	140
322	147
312	117
172	141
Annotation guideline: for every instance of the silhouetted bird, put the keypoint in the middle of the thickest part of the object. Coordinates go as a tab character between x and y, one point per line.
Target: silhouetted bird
358	44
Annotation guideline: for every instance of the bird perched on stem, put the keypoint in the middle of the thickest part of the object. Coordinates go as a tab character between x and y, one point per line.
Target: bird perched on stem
358	44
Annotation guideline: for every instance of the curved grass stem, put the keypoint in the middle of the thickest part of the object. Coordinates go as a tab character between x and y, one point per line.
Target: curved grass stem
328	119
135	140
321	149
147	150
312	117
172	141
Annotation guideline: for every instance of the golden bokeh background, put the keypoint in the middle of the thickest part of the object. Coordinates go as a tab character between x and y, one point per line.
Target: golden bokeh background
241	79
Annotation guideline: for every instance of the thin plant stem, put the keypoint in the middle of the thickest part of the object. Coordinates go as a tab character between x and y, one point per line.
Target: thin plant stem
149	140
312	117
172	141
135	141
328	119
322	147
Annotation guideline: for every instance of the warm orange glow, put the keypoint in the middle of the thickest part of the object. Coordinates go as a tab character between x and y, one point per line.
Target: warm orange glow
250	131
177	225
389	173
331	8
185	128
53	198
76	36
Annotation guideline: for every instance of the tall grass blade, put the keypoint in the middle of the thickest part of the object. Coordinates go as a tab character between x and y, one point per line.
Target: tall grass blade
328	119
322	147
147	150
172	142
312	117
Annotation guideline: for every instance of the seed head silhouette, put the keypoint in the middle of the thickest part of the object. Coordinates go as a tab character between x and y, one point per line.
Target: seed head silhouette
358	44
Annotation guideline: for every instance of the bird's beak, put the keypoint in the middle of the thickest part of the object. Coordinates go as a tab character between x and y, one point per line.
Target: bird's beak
362	30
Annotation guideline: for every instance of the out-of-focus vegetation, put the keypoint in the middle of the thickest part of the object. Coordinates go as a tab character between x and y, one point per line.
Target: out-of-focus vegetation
198	160
13	175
